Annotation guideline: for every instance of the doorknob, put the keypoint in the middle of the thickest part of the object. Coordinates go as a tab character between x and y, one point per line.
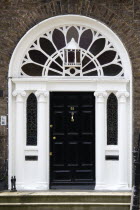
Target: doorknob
54	137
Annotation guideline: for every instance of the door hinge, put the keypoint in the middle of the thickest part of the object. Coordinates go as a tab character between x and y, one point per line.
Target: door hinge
50	153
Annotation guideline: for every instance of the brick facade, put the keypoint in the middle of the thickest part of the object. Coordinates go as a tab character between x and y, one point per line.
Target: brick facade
18	16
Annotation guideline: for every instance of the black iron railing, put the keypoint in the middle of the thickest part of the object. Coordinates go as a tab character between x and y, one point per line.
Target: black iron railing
135	202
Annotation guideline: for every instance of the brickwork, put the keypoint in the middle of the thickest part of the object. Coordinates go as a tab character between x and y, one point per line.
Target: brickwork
18	16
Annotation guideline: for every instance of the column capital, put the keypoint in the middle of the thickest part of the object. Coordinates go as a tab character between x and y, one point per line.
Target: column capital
19	94
101	95
122	96
42	96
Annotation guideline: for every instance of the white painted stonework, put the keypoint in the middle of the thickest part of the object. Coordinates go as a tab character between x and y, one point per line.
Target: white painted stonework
34	175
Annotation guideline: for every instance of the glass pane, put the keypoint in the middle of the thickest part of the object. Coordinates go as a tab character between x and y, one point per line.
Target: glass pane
32	69
37	56
31	120
71	56
107	57
47	46
112	120
86	39
97	46
58	39
72	33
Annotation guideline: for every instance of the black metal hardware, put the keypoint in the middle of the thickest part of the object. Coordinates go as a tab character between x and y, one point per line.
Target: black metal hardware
13	184
136	158
112	157
31	158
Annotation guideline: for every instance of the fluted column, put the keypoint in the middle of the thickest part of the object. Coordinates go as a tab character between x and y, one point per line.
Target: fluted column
42	139
100	138
19	139
122	138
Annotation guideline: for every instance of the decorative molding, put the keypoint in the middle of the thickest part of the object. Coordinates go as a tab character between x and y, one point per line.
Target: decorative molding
19	94
101	96
42	96
89	58
122	96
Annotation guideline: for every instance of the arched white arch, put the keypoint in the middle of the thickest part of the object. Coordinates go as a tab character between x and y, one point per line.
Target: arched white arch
58	21
23	86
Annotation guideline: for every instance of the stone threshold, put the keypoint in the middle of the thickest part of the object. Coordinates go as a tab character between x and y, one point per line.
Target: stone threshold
66	193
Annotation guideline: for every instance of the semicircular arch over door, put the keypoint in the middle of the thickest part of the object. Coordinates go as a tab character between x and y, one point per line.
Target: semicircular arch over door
70	55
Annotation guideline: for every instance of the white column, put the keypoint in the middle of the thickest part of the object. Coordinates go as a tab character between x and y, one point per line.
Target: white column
19	139
100	138
43	144
123	138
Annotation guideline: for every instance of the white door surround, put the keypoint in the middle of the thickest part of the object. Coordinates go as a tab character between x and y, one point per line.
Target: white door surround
34	175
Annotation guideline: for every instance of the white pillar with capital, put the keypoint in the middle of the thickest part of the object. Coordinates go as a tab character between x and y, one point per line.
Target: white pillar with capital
43	144
101	97
122	139
19	138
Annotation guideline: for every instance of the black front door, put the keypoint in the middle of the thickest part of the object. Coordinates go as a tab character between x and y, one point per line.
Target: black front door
72	140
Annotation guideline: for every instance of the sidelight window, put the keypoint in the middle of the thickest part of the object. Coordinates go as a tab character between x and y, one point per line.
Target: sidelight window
31	120
112	120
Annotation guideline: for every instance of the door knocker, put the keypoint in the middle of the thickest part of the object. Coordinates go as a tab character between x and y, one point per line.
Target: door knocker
72	116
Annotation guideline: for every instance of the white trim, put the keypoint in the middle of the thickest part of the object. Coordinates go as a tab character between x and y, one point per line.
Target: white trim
109	84
43	85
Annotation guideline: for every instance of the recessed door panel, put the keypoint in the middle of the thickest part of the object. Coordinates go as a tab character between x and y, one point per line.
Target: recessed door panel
72	140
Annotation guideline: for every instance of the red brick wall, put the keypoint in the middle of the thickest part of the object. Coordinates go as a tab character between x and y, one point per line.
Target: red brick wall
18	16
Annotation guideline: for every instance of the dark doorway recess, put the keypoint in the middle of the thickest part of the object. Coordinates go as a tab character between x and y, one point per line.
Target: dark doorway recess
72	140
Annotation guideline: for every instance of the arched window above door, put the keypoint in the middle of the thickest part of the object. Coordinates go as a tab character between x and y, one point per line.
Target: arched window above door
72	51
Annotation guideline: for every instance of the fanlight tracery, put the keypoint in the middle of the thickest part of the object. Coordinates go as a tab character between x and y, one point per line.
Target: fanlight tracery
47	54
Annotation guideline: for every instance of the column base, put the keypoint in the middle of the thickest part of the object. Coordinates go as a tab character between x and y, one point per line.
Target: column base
112	187
37	186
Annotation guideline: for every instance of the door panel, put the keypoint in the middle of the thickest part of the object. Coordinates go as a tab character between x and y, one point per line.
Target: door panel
72	140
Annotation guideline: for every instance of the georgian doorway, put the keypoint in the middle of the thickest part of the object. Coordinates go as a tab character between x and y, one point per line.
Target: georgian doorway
54	71
72	140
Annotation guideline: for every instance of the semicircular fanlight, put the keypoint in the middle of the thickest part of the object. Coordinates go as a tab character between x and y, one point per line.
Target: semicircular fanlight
95	54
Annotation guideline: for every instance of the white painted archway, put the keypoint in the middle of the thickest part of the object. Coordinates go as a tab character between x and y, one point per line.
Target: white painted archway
34	175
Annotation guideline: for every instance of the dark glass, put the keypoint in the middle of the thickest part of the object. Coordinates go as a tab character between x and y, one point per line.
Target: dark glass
71	56
86	39
31	120
55	66
37	56
89	67
107	57
65	56
85	61
112	120
58	39
59	60
112	70
72	33
72	71
77	56
47	46
52	73
32	69
93	73
97	46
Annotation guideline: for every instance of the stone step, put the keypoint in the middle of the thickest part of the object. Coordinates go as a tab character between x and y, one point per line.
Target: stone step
65	200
